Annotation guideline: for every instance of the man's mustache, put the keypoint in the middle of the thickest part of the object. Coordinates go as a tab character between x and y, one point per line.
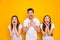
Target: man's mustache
30	15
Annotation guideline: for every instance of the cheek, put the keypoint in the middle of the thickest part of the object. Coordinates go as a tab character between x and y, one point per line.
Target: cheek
45	20
28	14
32	14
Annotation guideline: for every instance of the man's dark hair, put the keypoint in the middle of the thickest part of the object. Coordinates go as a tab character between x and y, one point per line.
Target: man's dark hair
30	9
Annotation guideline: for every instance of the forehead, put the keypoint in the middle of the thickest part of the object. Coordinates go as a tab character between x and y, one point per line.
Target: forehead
30	11
47	17
14	18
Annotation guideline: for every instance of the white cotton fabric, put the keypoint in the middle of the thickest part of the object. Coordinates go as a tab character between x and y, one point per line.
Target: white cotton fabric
31	34
47	37
15	36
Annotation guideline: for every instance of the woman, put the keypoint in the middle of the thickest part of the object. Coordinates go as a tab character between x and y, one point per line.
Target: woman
47	28
15	28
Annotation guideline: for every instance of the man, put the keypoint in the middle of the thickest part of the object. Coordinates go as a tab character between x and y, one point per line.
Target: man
31	25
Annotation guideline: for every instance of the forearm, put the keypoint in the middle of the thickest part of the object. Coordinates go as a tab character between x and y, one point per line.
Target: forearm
44	32
49	32
11	34
37	28
25	29
18	32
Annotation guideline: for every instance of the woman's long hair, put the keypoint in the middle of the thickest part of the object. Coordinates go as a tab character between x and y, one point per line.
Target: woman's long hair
17	22
44	26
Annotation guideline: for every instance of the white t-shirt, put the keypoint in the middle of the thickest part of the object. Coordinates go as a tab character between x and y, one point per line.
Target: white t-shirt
14	36
31	33
52	26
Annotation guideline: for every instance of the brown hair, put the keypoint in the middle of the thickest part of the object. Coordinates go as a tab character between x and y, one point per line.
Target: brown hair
30	9
44	24
17	22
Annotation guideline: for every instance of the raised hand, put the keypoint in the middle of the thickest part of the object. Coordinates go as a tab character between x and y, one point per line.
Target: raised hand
32	23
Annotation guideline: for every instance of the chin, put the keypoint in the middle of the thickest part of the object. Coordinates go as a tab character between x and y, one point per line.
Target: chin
30	17
47	23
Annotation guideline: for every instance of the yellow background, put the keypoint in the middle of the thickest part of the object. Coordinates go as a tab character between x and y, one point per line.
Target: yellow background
8	8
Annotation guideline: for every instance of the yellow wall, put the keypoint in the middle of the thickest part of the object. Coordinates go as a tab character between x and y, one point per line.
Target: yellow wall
19	8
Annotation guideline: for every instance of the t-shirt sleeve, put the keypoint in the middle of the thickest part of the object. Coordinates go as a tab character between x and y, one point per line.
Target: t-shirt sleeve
37	22
41	25
52	26
9	27
20	26
25	23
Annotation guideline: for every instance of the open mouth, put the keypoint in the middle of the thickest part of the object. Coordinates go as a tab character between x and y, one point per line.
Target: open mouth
30	15
14	22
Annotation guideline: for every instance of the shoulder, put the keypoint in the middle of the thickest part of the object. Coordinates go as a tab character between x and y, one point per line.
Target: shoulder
26	19
37	21
36	18
9	26
41	25
52	26
20	25
25	23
